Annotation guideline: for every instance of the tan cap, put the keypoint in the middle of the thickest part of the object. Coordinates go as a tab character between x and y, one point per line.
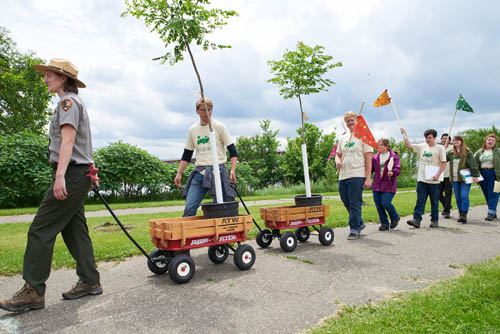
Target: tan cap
61	66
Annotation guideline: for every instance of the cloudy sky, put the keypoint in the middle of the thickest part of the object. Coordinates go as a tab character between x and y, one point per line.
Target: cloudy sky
425	52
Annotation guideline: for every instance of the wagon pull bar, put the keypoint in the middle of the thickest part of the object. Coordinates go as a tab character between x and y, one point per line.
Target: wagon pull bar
95	189
233	185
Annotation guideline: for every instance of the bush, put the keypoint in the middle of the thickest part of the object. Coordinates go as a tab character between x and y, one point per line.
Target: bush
132	173
24	170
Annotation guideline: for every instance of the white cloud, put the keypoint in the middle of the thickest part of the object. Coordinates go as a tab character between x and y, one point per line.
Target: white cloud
424	52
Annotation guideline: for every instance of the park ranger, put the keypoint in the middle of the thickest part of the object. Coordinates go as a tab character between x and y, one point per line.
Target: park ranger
61	210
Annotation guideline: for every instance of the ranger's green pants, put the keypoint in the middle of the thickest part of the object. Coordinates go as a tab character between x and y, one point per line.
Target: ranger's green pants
68	218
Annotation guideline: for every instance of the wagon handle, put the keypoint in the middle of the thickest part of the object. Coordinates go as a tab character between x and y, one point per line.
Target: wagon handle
233	185
95	189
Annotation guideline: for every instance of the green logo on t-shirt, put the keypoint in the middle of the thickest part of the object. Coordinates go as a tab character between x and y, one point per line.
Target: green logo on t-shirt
203	140
351	144
486	156
427	154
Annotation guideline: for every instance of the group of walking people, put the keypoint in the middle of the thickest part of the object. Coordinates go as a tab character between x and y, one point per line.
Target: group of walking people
71	158
440	169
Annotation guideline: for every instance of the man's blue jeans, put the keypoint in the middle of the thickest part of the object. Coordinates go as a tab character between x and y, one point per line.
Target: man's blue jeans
425	190
461	191
383	202
195	196
487	187
351	194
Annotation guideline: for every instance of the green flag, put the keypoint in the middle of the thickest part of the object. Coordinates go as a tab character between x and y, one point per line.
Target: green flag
463	105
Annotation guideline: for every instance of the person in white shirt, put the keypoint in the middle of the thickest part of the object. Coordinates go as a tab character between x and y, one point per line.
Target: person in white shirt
201	179
432	159
354	161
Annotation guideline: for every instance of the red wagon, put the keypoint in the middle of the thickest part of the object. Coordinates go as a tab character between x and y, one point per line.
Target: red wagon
175	237
301	219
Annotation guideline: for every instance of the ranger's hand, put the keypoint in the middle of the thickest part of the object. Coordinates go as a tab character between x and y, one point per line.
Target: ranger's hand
232	176
59	189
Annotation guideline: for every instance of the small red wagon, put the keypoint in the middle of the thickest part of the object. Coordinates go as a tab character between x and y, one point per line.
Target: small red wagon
301	219
175	237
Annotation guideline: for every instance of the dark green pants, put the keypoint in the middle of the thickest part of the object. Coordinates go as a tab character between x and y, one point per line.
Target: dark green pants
68	218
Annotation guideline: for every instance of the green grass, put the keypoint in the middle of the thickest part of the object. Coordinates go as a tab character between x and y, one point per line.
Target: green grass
468	304
115	245
283	193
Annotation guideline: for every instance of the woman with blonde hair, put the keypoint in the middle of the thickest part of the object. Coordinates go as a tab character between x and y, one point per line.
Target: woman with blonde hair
354	161
488	159
461	158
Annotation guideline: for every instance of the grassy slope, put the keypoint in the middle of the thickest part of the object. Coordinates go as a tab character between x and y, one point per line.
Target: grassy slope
468	304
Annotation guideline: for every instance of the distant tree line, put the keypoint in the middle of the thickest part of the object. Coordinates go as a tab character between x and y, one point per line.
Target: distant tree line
129	173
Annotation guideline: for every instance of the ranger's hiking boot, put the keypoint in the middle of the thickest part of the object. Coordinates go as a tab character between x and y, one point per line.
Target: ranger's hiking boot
414	223
81	289
434	224
25	299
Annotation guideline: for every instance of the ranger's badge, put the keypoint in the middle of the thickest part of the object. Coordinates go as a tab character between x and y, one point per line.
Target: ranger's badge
66	104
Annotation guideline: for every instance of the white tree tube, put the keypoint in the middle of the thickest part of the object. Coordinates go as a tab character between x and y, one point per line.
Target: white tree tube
215	163
306	171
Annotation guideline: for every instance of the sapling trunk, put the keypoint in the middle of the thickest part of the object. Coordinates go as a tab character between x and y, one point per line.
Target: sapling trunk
213	145
307	182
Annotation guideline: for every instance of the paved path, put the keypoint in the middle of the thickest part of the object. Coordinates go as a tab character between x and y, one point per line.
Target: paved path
158	209
277	295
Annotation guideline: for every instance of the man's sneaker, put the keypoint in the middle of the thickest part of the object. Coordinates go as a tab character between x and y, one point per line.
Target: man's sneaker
81	289
490	217
353	236
446	214
414	223
434	224
23	300
383	227
394	223
362	227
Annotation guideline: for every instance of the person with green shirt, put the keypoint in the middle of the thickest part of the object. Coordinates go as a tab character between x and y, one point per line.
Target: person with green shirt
488	159
461	158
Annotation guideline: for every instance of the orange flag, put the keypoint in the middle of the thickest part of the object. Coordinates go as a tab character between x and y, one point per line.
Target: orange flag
363	133
382	100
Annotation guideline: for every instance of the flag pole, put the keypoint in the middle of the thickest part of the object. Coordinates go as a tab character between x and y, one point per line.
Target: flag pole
359	114
453	121
397	116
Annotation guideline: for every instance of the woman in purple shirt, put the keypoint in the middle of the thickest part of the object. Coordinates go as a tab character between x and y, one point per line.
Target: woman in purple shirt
385	167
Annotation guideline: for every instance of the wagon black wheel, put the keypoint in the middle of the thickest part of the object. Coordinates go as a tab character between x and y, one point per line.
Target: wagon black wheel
158	268
326	236
288	241
264	238
244	257
218	254
303	234
181	268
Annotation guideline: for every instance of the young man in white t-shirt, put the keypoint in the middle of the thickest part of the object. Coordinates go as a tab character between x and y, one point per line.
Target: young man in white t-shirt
201	179
430	154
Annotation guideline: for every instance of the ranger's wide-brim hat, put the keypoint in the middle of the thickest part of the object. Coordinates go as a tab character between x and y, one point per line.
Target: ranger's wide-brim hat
61	66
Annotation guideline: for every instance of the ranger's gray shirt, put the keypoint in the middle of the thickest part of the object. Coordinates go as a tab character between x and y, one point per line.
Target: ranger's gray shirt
71	110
